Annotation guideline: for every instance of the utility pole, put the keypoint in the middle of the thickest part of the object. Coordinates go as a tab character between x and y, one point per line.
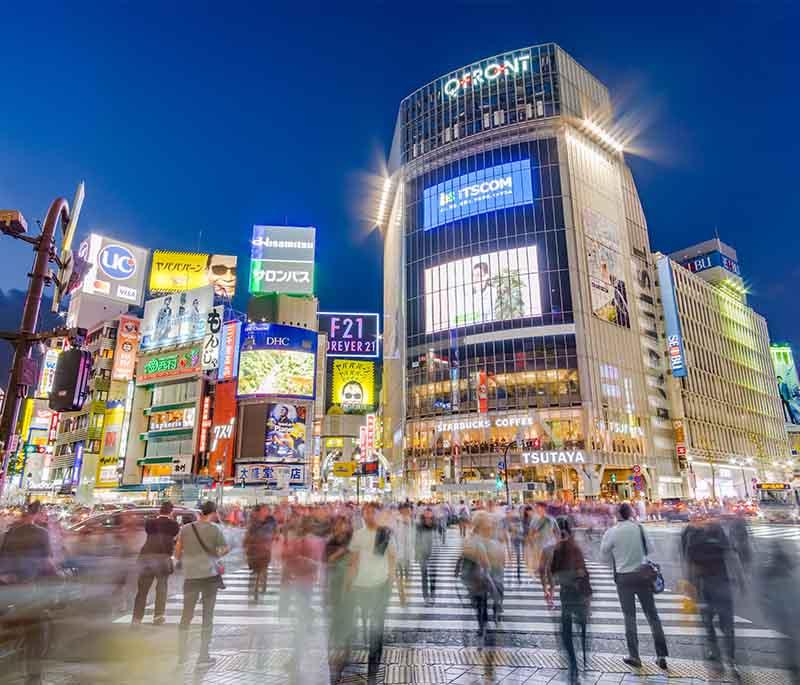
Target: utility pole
22	375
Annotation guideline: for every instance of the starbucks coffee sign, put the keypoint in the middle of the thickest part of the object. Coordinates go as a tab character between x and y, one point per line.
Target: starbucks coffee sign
554	457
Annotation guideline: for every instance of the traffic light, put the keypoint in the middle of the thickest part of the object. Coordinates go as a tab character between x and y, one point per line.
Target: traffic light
613	477
71	380
537	444
498	482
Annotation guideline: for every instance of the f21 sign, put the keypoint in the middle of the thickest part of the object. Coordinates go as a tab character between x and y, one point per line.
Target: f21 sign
350	334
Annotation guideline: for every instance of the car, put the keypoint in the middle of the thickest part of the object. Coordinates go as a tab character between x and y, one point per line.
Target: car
675	509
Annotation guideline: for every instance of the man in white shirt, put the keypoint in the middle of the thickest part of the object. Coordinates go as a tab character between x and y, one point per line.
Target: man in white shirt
626	547
372	572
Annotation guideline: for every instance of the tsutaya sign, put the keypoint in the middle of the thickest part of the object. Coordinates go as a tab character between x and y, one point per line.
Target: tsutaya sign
476	76
566	457
484	422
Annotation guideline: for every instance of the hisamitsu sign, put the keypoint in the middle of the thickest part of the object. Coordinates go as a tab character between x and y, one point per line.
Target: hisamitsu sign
282	260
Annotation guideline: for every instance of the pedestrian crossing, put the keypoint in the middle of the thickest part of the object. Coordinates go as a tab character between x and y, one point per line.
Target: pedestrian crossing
525	609
762	531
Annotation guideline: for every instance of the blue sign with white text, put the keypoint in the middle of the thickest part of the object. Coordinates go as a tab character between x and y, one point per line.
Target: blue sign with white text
672	322
495	187
709	261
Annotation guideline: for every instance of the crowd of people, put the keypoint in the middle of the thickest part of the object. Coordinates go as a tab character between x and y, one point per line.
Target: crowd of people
357	556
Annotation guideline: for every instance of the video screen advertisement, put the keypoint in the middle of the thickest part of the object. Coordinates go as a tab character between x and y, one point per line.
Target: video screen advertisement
496	286
353	335
176	319
117	270
282	260
607	284
788	384
277	360
285	435
172	272
495	187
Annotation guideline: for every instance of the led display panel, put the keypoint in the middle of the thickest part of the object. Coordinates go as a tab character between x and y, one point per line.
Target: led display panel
496	286
495	187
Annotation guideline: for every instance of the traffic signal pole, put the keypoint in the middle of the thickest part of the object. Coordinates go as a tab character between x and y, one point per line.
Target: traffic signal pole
17	389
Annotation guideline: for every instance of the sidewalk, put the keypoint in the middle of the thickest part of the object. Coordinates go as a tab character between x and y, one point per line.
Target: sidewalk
408	665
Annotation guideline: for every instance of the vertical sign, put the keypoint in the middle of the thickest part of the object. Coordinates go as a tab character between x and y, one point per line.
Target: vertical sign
483	393
212	340
126	349
672	322
205	424
370	434
362	442
229	351
680	443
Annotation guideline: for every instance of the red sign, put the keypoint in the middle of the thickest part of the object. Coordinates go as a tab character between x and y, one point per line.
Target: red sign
362	441
483	393
370	433
127	348
205	423
223	429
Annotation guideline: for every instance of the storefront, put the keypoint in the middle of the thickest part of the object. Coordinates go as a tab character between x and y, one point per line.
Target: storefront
709	480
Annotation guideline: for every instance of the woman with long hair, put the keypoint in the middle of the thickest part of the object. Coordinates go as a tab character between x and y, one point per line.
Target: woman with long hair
568	570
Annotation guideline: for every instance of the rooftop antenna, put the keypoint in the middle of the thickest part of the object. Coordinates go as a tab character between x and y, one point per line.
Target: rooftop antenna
199	239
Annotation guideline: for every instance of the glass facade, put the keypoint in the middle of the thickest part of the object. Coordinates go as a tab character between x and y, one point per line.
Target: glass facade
514	87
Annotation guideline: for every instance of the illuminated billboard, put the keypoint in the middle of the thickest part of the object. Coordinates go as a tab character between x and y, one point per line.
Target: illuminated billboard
607	283
172	272
169	365
350	335
282	260
495	187
126	349
672	322
353	385
285	435
117	269
788	384
277	360
497	286
176	319
709	260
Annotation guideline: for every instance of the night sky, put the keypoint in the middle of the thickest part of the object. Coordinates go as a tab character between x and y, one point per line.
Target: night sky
193	122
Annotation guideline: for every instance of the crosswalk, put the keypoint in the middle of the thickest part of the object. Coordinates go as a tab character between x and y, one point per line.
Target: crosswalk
762	531
525	608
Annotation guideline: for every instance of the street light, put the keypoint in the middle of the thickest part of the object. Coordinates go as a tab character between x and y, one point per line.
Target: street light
220	482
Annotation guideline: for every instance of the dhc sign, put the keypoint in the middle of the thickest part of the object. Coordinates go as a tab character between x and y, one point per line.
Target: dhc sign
495	187
478	76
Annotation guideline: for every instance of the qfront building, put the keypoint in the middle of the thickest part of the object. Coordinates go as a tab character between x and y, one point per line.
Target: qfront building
521	320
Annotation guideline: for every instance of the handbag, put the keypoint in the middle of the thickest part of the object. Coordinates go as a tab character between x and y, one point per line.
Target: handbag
216	564
650	570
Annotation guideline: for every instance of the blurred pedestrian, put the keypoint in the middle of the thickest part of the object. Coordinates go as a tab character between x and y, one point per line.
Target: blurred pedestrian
540	543
568	570
781	600
424	538
372	570
463	515
404	535
155	563
626	547
475	568
25	561
708	554
199	549
339	598
258	548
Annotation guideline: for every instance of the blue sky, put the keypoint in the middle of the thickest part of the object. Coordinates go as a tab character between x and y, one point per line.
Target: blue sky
211	117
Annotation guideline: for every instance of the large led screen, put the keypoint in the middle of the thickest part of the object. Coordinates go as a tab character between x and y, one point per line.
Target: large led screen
277	360
497	286
495	187
285	435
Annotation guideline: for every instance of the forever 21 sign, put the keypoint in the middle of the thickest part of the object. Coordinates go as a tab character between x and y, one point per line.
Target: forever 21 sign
350	335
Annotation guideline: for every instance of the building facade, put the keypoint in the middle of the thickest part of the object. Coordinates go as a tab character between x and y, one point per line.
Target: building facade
725	404
517	322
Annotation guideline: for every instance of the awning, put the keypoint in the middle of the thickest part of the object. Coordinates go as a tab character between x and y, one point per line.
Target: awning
165	433
154	409
146	461
143	487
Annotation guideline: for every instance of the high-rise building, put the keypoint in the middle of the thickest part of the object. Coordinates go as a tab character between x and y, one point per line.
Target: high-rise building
729	430
520	320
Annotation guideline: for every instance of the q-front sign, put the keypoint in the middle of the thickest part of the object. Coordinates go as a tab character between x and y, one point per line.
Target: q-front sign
554	457
485	73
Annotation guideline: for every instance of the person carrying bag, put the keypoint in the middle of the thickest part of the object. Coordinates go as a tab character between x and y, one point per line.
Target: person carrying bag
625	546
199	548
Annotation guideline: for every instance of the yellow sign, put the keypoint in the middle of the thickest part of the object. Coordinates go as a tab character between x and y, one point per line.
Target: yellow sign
344	469
773	486
173	272
353	385
332	443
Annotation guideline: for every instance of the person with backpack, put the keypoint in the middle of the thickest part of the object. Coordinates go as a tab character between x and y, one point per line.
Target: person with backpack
707	554
463	518
568	571
200	547
627	548
540	543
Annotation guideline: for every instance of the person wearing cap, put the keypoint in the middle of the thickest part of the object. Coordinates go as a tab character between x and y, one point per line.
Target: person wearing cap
200	546
626	547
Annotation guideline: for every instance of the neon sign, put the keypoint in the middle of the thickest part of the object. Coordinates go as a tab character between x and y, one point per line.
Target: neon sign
475	78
